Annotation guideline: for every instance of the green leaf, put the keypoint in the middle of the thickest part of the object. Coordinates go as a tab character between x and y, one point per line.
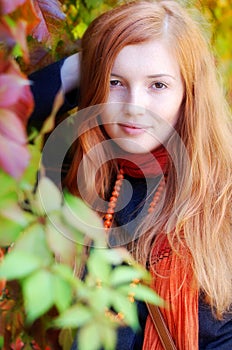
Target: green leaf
115	256
49	123
89	337
38	293
17	51
142	292
1	342
123	305
65	229
101	299
125	274
47	196
93	3
60	242
62	293
34	241
80	216
66	338
145	293
18	264
8	184
7	199
15	214
79	30
30	175
97	266
9	231
76	316
66	272
109	337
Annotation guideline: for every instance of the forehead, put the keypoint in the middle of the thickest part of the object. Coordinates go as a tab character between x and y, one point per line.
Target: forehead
150	57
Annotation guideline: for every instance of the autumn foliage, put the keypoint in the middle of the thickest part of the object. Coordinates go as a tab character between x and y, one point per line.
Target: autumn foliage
19	20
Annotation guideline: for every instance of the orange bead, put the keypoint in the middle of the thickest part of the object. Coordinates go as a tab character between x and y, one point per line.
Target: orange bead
117	188
120	177
107	223
115	193
112	204
118	183
156	196
120	315
108	216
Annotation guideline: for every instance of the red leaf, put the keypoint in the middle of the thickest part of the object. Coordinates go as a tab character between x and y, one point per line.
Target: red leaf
11	35
14	157
18	345
24	104
6	35
15	34
50	14
28	13
23	20
11	127
8	6
20	35
10	89
16	104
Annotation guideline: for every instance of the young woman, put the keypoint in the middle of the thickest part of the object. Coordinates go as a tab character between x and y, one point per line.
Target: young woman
155	159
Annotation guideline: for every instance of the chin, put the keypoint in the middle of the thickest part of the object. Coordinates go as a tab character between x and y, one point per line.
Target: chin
135	147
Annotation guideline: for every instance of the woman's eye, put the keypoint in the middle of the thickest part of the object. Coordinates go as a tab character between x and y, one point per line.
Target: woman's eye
115	82
158	86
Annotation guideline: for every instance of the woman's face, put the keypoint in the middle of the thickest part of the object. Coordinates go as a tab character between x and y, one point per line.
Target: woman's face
145	96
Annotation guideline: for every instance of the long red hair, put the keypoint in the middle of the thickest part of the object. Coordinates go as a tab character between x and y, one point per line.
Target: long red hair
198	204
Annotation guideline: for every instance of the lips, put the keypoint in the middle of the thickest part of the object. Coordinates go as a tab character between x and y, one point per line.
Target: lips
133	129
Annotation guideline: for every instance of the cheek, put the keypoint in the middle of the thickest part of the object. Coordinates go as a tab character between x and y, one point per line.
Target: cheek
109	130
109	118
117	95
174	118
174	111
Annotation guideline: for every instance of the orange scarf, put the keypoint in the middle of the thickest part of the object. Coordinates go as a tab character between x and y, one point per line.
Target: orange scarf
174	282
140	165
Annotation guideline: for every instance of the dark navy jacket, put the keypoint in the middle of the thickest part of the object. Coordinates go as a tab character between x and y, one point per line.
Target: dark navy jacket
213	334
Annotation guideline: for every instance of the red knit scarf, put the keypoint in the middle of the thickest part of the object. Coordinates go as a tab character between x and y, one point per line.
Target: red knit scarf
142	165
172	279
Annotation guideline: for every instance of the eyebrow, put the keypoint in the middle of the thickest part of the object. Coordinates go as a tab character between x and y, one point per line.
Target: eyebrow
161	75
153	76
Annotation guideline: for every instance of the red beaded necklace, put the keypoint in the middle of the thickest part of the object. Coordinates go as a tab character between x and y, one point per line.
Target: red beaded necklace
108	217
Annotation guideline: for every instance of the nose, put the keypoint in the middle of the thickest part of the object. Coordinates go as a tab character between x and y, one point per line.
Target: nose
135	103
